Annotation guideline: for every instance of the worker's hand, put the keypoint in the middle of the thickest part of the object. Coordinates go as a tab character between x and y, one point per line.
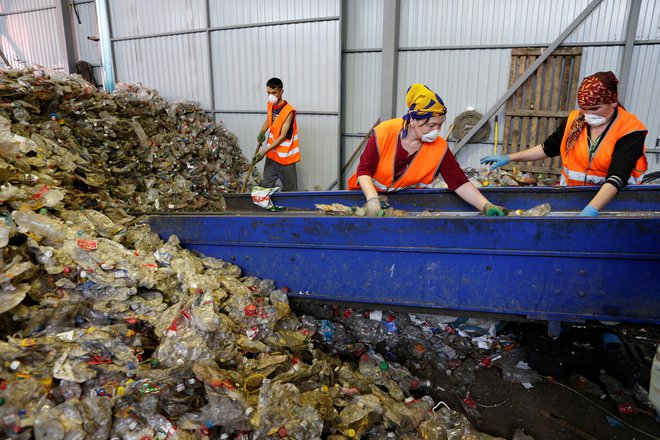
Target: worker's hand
497	160
589	211
375	207
494	210
261	137
258	157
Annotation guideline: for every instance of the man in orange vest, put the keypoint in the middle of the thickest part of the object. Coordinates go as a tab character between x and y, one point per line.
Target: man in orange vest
408	153
281	152
600	144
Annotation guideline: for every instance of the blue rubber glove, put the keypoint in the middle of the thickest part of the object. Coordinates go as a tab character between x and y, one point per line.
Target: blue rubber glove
589	211
497	160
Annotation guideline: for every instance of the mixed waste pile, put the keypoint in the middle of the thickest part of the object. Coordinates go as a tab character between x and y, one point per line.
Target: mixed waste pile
111	333
129	146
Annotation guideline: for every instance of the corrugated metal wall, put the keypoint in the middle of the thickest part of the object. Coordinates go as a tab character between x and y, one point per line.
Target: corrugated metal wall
28	33
362	60
220	53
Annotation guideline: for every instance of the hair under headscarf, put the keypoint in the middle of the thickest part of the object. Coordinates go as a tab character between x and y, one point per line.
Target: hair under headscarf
596	89
423	103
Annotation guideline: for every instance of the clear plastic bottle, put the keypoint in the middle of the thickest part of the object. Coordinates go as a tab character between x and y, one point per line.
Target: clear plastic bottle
70	390
366	330
21	115
7	230
519	374
48	197
359	416
374	367
44	226
614	388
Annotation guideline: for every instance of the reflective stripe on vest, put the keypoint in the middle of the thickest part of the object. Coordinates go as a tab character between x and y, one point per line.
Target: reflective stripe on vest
383	188
578	169
421	171
580	177
288	152
590	179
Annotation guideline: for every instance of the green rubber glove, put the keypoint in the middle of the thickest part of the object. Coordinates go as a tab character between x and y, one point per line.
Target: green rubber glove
494	211
261	137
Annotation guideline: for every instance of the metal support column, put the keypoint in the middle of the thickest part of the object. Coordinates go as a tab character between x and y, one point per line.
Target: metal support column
632	20
520	81
390	59
107	58
67	42
210	55
342	98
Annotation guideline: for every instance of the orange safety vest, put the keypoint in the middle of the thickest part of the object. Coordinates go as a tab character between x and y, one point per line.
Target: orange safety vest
287	152
577	170
421	171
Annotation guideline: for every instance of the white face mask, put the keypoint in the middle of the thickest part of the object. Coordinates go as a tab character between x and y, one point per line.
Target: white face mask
273	99
430	136
594	120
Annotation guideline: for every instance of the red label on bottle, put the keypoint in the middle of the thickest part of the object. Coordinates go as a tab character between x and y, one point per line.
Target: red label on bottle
88	245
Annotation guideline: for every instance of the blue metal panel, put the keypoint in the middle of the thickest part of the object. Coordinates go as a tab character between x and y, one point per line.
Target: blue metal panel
554	268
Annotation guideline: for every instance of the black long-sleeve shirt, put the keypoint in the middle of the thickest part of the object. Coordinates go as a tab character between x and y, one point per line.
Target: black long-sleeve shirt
626	152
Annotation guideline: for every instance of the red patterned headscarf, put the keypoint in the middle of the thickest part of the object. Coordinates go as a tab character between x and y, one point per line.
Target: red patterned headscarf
599	88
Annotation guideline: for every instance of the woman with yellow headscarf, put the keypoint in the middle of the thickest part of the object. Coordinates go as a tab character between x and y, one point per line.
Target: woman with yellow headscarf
407	153
601	143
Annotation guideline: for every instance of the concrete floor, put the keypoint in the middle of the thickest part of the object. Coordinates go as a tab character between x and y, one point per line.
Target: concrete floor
551	411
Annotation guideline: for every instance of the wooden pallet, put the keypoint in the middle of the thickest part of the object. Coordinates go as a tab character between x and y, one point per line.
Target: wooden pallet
536	109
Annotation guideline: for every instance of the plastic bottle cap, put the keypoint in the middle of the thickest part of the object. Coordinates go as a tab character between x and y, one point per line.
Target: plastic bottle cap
14	365
384	366
249	411
351	432
180	361
180	387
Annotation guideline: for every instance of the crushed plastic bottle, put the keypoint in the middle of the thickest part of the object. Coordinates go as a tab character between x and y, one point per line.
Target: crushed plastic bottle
52	230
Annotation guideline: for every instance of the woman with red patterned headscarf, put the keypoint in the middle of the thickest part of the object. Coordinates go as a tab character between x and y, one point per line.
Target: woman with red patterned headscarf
600	144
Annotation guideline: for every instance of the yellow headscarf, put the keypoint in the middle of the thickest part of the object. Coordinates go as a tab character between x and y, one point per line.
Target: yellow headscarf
423	103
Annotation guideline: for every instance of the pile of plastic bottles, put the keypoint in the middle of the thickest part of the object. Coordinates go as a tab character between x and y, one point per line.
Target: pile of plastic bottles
128	148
